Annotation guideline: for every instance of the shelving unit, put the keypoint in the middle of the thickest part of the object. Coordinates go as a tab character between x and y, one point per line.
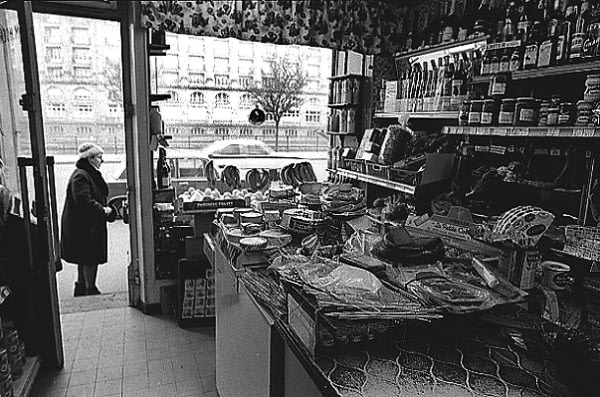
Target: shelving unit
452	45
400	187
339	133
158	49
445	115
341	105
561	70
533	132
159	97
347	76
22	386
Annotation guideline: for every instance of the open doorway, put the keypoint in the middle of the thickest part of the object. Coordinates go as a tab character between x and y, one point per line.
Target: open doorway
82	100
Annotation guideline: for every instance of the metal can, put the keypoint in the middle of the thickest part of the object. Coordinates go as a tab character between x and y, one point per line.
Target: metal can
525	112
543	114
584	113
552	118
507	111
554	275
565	116
463	117
475	112
522	268
488	112
351	121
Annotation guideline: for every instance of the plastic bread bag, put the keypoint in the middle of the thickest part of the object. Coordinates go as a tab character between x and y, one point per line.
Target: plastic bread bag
362	242
349	280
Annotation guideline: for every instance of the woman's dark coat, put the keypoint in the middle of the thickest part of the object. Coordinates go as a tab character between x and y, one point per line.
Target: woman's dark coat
84	234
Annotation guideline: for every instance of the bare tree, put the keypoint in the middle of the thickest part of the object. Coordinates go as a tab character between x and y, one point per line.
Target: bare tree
112	81
280	89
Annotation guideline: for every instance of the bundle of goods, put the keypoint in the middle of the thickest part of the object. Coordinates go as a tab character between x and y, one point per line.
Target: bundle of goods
196	199
282	192
258	179
211	173
310	193
524	226
268	291
297	173
351	293
395	144
250	244
343	199
276	238
399	248
390	209
302	221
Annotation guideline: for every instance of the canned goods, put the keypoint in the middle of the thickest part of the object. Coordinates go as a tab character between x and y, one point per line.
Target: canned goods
507	111
463	117
565	116
525	112
351	121
543	114
553	116
584	113
488	112
475	112
554	275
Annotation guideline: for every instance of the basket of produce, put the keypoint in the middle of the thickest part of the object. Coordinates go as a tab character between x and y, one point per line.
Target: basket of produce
354	165
379	171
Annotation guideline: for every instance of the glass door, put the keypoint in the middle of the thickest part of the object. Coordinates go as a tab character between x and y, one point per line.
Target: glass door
27	173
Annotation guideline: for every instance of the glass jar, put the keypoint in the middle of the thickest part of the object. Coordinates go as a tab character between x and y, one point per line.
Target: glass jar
525	112
592	88
584	113
463	116
155	121
475	112
488	112
566	114
553	116
507	111
543	114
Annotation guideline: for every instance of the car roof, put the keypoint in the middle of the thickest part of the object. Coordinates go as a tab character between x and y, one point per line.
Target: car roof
221	144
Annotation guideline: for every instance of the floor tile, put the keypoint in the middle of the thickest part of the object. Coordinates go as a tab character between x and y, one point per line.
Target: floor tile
109	373
82	377
81	391
107	388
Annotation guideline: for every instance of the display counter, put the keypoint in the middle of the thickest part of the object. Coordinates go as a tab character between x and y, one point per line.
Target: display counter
259	354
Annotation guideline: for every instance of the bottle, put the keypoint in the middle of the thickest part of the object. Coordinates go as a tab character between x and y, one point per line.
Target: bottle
482	18
590	45
458	79
579	36
466	22
564	36
155	121
163	173
516	62
442	21
495	63
509	29
532	46
524	24
505	61
451	24
548	47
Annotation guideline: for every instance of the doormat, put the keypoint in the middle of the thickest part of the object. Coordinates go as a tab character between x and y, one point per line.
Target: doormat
94	302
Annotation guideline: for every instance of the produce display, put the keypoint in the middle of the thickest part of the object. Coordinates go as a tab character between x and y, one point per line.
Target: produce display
297	173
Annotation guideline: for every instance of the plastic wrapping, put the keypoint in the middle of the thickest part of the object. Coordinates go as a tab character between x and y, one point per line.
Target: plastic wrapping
347	280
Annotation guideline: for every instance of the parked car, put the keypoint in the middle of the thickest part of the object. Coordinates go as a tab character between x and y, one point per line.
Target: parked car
187	165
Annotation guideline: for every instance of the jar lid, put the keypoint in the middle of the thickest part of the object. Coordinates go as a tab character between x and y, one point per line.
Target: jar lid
509	100
477	101
488	101
566	104
525	99
583	103
553	110
593	76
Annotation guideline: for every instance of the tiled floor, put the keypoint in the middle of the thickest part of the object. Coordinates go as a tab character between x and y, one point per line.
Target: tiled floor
123	352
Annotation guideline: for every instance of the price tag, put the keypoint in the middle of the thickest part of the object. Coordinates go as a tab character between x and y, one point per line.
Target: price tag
491	131
578	132
588	132
553	132
502	131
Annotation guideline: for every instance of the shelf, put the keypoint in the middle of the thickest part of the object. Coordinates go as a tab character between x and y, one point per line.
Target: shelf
159	97
400	187
530	132
342	105
481	79
340	133
572	68
442	47
418	115
22	386
158	49
349	76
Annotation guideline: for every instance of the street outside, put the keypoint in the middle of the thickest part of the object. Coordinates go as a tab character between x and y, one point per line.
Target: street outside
112	276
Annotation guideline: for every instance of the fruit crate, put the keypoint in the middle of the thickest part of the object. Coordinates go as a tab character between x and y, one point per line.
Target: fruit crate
405	176
354	165
378	170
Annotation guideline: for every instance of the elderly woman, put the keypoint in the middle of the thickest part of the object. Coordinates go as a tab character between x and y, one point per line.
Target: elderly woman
84	234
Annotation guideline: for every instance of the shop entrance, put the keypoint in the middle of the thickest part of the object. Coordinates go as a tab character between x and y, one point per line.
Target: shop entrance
82	101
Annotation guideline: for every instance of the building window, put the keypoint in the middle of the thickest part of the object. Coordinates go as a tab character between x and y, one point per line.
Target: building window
111	130
313	116
174	96
81	55
246	67
85	130
56	108
245	50
312	85
246	81
53	54
268	81
269	116
114	108
195	45
197	98
221	47
246	131
269	131
55	72
83	102
294	113
313	103
80	36
82	72
173	130
314	70
52	35
221	80
221	65
196	63
171	62
197	131
291	132
169	78
246	101
57	130
197	78
222	131
222	100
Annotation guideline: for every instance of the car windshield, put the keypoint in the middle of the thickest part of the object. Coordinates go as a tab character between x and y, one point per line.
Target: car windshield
257	150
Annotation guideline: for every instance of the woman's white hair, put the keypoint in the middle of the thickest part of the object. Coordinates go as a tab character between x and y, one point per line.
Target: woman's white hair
89	150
